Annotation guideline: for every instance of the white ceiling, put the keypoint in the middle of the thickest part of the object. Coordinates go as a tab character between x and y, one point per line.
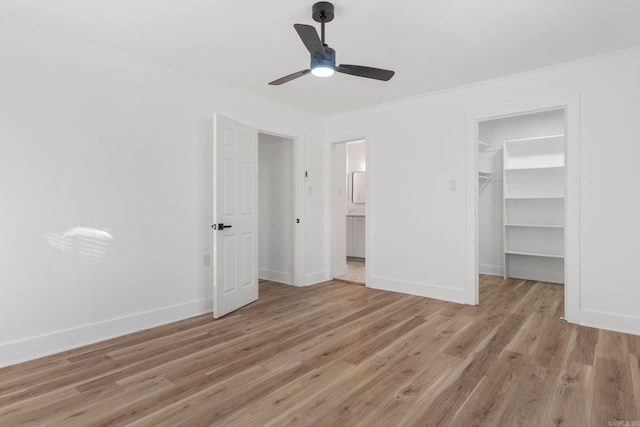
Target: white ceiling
431	44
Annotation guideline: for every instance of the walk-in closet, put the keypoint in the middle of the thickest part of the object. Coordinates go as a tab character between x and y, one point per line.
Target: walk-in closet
521	185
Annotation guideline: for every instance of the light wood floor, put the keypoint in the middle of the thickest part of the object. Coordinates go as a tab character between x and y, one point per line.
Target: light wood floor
339	354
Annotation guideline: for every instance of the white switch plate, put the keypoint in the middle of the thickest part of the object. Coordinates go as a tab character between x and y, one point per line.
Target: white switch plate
453	185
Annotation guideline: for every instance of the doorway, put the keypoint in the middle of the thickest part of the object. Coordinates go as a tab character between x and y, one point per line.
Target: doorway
570	226
521	196
348	180
237	253
277	209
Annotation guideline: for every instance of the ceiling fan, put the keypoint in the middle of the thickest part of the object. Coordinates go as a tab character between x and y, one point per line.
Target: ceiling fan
323	58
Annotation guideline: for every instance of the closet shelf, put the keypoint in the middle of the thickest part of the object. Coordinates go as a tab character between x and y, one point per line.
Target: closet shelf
533	239
484	175
535	225
535	198
535	168
538	254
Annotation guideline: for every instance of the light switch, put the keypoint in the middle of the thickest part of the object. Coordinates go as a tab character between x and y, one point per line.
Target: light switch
453	185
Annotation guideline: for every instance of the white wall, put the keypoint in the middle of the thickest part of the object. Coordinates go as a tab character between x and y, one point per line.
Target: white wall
338	205
90	138
494	133
356	161
276	208
417	146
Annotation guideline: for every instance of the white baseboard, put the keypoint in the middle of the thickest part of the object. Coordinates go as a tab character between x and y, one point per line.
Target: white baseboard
55	342
539	275
493	270
313	278
276	276
610	321
419	289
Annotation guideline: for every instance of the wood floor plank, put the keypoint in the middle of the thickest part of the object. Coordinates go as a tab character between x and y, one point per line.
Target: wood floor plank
404	399
550	350
321	353
285	398
634	363
613	397
526	340
457	393
337	354
585	348
51	410
371	347
532	299
469	339
487	402
571	402
14	408
634	344
142	361
612	345
235	397
532	388
83	409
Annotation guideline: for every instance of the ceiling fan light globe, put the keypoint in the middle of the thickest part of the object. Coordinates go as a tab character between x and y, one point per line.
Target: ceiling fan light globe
323	71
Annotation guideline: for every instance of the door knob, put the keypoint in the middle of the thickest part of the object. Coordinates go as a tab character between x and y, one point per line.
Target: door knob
221	226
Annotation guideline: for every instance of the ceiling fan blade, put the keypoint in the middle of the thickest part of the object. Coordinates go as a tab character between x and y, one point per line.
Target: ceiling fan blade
310	38
289	77
369	72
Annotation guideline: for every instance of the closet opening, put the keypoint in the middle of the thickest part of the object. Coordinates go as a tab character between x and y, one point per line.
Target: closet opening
348	182
277	236
521	204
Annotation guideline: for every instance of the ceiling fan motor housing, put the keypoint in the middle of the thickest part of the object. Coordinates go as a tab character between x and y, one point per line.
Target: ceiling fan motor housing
329	59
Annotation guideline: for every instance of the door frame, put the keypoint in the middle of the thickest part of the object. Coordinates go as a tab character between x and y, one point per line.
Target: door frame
570	103
297	187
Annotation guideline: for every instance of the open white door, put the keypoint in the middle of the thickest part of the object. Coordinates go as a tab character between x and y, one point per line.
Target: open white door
235	211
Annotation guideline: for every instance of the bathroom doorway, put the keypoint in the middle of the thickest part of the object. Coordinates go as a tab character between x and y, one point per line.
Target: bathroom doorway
348	210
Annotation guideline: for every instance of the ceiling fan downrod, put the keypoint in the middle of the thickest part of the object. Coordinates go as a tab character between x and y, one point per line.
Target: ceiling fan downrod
322	13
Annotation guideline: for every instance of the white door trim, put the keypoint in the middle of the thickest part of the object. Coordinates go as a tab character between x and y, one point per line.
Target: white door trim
570	103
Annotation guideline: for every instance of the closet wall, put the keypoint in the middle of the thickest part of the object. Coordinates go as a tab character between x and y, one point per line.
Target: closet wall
490	160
